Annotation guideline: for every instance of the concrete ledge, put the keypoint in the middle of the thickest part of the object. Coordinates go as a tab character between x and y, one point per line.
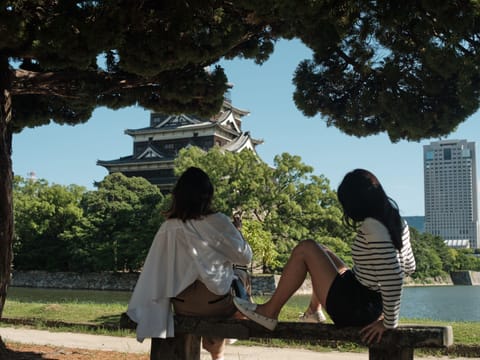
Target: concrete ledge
465	277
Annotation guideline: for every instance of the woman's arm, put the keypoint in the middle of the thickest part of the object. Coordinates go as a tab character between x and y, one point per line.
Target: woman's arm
233	245
386	270
409	264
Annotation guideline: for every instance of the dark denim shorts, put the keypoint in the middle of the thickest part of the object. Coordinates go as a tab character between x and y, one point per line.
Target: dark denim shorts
349	303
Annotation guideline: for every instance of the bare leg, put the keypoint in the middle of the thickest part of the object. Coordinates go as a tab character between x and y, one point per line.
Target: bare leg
215	346
309	257
336	260
315	305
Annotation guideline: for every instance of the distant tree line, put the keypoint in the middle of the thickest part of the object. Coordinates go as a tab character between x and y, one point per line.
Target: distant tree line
66	228
434	258
69	228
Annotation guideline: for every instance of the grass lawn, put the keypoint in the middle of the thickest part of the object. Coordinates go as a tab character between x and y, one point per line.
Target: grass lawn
73	306
103	308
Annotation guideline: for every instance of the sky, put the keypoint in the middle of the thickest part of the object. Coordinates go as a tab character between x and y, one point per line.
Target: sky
68	154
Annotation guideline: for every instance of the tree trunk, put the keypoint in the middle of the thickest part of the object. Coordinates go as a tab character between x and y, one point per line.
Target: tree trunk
6	178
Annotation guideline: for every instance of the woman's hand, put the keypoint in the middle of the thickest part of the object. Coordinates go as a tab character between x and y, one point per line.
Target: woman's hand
237	222
373	331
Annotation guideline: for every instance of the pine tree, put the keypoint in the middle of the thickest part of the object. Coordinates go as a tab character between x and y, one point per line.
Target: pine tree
407	68
59	60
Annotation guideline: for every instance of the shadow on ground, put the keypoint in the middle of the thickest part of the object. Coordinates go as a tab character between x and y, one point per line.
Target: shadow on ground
7	354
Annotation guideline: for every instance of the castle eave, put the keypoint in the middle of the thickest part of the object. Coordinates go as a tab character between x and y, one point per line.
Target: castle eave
131	161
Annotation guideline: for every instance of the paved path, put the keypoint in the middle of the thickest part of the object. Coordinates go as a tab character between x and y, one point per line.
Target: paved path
126	345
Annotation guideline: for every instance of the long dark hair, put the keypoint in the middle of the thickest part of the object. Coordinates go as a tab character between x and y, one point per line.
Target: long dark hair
362	196
191	196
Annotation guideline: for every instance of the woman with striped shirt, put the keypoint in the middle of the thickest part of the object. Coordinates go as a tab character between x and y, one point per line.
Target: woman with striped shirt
367	295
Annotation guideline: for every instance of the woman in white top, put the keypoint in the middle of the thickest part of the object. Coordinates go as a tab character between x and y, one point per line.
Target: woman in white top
189	267
367	295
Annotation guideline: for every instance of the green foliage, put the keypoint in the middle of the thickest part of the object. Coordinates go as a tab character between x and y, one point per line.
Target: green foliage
428	251
66	228
122	216
288	203
263	248
70	57
435	258
466	260
405	68
240	179
44	214
429	263
301	205
409	68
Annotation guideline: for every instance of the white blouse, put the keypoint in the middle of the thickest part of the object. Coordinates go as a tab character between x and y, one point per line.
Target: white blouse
181	253
381	267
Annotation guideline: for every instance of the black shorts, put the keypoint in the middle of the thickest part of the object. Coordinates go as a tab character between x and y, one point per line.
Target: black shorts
349	303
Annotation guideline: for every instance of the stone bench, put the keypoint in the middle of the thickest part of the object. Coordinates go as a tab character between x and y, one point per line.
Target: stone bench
398	344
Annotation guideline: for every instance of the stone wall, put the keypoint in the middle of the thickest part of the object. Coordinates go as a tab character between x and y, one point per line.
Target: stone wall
71	280
432	281
266	285
261	285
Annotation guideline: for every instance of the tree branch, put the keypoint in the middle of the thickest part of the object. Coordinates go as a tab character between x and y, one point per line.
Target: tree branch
69	83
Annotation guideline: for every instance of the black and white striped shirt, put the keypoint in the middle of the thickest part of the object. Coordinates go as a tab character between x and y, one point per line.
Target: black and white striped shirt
381	267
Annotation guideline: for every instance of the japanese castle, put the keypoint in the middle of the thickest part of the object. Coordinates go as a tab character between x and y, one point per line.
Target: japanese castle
156	147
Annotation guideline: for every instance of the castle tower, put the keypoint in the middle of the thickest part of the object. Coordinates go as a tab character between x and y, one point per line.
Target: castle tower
156	146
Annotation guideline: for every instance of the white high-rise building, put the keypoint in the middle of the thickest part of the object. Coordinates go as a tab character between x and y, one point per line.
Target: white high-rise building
450	180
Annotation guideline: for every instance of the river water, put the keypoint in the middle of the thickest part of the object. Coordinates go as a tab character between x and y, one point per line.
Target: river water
446	303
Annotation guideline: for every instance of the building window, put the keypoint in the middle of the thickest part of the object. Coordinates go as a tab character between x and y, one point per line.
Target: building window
466	153
155	120
447	154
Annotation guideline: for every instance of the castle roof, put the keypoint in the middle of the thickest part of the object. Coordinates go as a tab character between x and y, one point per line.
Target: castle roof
229	119
244	141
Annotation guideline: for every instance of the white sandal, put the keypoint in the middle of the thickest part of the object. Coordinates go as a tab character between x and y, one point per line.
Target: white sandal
248	309
313	317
